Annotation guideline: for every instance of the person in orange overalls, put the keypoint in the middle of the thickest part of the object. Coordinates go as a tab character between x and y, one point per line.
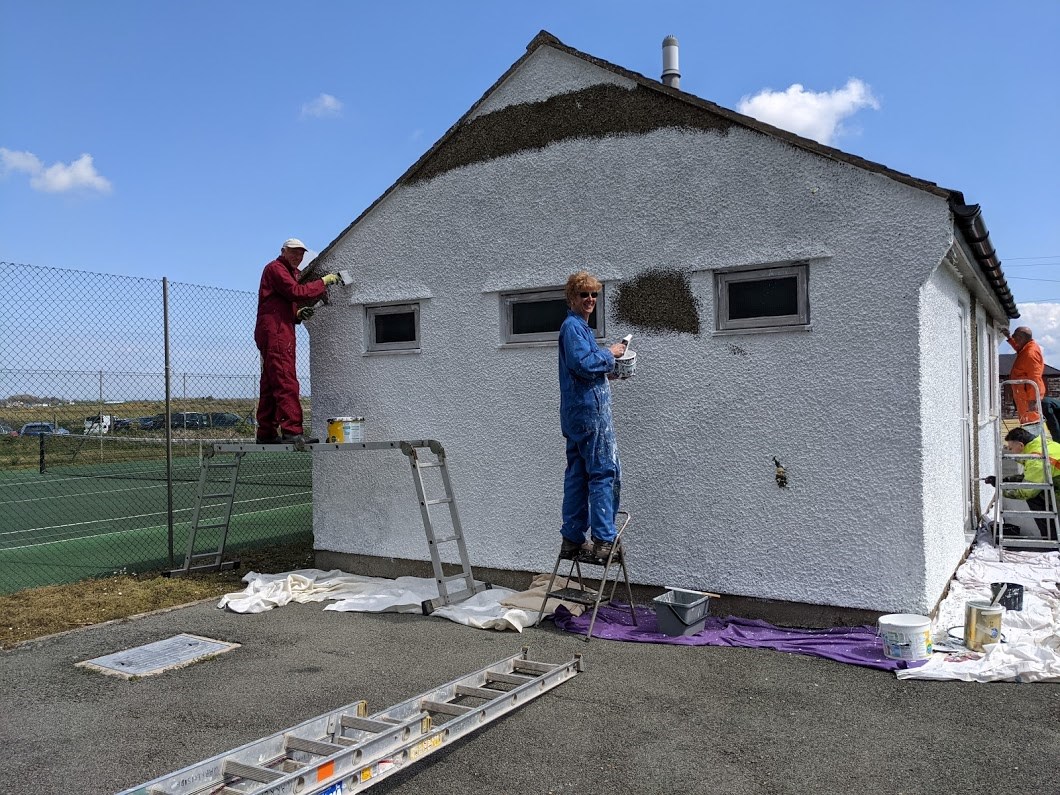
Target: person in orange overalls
282	302
1028	365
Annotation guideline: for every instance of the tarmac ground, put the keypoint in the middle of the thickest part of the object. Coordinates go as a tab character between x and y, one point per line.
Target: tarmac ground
641	718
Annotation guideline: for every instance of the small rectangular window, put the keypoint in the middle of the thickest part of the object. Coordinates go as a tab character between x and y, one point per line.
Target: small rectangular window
536	316
762	298
393	327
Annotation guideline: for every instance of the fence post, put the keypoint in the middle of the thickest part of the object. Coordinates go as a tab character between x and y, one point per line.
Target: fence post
169	422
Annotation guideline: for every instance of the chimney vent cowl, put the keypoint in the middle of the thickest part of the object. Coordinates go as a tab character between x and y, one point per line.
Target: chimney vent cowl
671	74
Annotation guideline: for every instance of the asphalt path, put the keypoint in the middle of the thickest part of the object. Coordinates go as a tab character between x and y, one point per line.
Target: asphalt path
641	718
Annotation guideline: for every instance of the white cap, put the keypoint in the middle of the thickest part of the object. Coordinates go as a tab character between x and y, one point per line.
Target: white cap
294	242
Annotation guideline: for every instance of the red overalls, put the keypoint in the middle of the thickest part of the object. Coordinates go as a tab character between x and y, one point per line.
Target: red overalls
279	296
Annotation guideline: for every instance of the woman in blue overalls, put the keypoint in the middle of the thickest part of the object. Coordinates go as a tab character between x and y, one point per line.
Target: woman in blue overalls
592	481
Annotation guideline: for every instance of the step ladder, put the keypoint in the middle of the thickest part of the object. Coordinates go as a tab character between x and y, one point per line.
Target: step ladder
615	562
1048	492
218	478
213	494
453	533
347	750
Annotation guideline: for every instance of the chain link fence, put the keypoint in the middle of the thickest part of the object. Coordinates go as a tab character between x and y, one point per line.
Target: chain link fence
92	481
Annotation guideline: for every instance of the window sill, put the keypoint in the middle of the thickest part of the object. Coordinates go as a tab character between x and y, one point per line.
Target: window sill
763	330
395	352
534	344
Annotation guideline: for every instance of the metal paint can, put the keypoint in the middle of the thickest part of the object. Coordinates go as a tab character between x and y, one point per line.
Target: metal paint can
345	429
982	624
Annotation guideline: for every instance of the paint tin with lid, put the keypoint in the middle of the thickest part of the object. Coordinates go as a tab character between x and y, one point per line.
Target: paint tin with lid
345	429
982	624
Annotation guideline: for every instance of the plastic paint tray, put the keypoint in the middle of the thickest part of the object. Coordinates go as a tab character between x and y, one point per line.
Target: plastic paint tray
680	612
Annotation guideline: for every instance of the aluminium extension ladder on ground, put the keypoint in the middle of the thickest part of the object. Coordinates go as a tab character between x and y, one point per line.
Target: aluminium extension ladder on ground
346	750
216	495
584	595
1049	514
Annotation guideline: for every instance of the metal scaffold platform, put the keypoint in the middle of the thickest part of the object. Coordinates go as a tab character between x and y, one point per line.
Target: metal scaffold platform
219	480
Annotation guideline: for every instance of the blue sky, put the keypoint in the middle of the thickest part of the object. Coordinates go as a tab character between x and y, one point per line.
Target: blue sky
188	139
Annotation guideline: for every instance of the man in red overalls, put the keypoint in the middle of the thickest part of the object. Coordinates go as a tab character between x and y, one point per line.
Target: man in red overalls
283	302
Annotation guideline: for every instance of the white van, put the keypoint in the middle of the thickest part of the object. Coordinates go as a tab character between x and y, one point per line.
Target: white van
97	425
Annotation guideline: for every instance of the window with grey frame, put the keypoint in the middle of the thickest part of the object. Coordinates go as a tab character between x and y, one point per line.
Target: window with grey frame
536	315
393	327
762	298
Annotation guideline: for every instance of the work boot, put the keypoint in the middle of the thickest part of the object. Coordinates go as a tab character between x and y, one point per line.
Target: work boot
298	440
569	550
267	440
602	549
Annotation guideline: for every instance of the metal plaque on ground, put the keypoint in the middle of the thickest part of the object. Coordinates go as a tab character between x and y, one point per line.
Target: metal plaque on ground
155	658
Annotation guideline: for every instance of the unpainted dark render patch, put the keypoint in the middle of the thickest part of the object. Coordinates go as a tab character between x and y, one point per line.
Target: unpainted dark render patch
660	300
591	113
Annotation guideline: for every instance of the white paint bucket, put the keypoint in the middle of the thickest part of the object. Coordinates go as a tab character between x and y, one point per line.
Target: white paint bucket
905	636
345	429
626	364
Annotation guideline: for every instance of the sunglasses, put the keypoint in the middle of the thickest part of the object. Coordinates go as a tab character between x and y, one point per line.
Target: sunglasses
586	295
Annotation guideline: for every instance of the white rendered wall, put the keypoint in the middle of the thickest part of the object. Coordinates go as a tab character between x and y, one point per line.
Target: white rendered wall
546	73
699	424
946	333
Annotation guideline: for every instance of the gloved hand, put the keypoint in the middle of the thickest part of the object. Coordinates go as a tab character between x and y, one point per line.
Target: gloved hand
305	313
990	480
330	278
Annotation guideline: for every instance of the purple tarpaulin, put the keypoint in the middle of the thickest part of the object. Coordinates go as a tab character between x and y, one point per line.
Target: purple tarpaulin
853	645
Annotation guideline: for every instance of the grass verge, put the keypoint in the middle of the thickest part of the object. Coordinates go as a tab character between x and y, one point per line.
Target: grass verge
36	612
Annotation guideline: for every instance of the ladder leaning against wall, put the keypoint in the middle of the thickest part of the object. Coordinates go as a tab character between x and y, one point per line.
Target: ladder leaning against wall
1049	513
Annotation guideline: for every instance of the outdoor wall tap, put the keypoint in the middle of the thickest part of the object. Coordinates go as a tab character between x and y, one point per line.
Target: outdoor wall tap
782	474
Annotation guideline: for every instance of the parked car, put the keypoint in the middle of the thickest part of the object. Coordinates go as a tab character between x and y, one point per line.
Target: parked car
41	429
189	419
151	423
224	419
122	424
7	430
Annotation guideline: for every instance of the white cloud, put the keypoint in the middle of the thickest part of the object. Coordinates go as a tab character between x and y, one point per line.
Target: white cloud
1044	322
816	115
56	178
322	107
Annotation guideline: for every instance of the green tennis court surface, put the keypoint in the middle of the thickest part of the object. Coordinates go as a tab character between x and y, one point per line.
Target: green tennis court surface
94	514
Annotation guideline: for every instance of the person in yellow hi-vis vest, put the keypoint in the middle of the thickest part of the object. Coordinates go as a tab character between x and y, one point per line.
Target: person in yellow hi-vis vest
1019	440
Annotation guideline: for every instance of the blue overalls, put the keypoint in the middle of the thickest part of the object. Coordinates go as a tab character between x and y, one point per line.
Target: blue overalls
592	481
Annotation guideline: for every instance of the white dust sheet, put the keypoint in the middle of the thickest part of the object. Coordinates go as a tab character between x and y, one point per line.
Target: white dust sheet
494	608
1030	651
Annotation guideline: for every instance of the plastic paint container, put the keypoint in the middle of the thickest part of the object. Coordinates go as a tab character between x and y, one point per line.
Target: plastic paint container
982	624
626	365
345	429
905	636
